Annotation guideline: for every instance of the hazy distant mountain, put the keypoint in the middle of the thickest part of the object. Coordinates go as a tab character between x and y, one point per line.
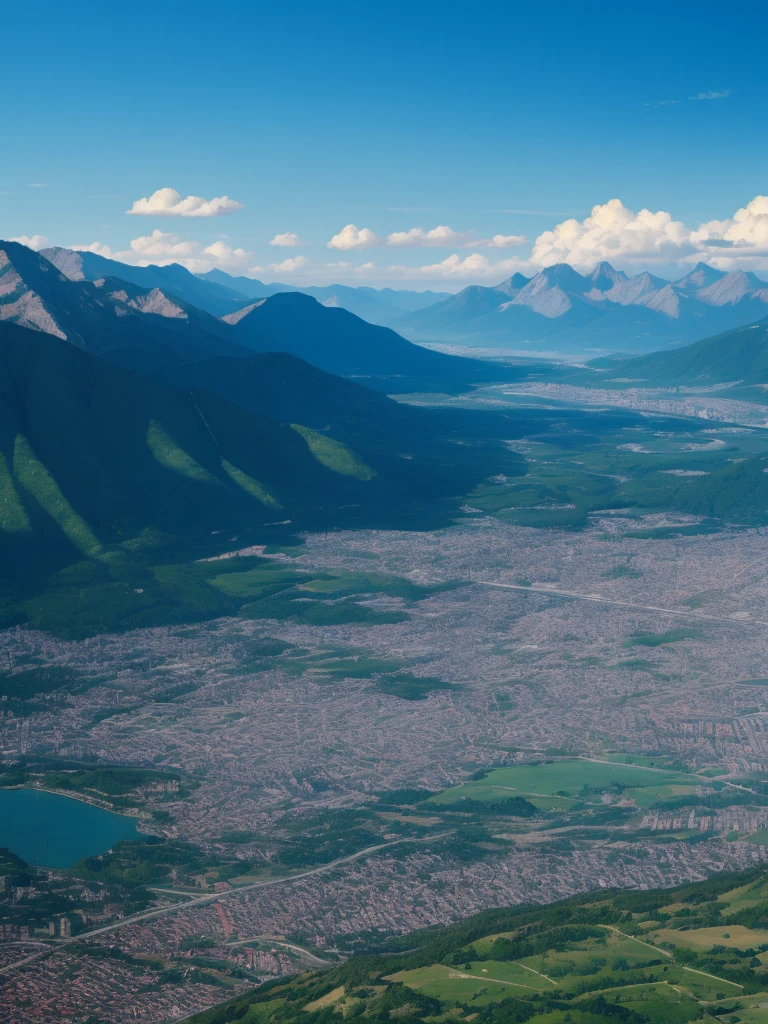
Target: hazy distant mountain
739	355
562	310
210	296
377	306
109	317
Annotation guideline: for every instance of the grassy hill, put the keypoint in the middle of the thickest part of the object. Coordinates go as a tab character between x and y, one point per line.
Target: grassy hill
737	355
674	956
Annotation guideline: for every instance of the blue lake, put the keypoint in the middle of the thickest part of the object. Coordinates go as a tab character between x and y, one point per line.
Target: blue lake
55	831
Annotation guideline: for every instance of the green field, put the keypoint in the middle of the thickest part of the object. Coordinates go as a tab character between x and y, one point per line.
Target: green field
598	464
570	779
479	982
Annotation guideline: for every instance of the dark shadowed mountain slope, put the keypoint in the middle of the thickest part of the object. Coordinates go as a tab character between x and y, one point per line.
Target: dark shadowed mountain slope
92	455
284	387
97	462
209	295
341	343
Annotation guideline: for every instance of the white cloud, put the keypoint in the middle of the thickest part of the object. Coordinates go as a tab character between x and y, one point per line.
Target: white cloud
162	248
504	241
288	266
35	242
454	266
352	237
633	240
711	95
472	267
287	239
167	202
614	233
738	241
97	247
37	184
442	235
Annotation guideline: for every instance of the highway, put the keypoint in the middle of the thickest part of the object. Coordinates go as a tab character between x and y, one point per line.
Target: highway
599	599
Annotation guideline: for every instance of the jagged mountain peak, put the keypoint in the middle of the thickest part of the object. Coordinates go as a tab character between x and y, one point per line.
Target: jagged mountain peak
27	281
604	276
562	275
173	279
512	285
702	276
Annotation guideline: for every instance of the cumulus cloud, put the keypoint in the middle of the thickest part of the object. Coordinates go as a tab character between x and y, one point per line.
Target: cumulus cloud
352	237
741	240
35	242
97	247
454	265
162	248
617	234
288	266
504	241
614	233
472	267
167	202
445	237
287	239
440	236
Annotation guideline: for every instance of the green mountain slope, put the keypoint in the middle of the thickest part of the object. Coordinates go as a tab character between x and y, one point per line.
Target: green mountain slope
739	355
92	456
694	953
112	484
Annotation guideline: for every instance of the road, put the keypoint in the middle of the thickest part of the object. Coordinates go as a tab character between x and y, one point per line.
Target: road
198	901
315	961
599	599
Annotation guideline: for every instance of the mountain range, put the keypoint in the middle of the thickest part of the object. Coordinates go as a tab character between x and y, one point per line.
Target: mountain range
150	326
377	305
219	293
557	312
564	312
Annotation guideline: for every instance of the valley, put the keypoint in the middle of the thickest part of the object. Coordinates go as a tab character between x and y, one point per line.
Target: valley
355	648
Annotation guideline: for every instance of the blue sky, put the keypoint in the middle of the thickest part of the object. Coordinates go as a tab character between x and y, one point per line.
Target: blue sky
497	122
